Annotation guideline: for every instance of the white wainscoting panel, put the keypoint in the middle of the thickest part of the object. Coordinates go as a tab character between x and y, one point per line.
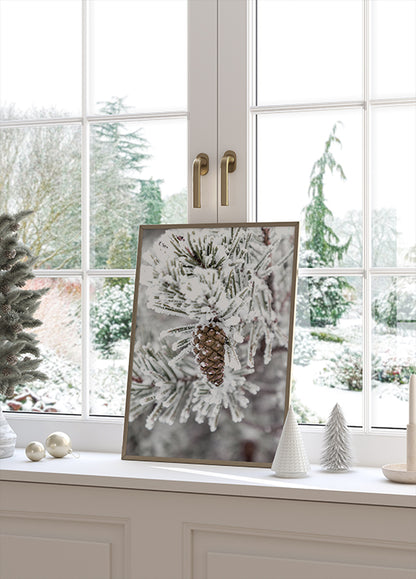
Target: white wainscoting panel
49	558
45	545
216	552
226	565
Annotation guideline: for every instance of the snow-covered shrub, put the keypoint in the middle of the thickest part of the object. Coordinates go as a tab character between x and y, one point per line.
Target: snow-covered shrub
60	393
393	374
344	371
111	316
108	388
327	337
395	370
396	305
322	301
304	349
304	415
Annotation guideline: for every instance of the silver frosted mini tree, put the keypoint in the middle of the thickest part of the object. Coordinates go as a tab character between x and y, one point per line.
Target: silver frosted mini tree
336	455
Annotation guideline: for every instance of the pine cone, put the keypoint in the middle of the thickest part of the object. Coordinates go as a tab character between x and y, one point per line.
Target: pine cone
209	351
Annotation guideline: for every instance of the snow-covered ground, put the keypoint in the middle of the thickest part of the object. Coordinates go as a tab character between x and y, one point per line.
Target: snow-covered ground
109	382
387	409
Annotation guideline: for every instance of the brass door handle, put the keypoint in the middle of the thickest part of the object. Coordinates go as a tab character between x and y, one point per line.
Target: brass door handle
200	167
228	165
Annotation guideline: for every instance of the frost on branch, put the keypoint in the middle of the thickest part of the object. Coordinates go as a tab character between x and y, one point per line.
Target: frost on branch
226	291
169	393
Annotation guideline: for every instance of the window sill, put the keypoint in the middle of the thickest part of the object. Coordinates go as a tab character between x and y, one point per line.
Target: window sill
101	434
359	486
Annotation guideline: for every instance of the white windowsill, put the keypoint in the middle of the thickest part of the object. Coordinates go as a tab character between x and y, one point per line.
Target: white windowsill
359	486
106	435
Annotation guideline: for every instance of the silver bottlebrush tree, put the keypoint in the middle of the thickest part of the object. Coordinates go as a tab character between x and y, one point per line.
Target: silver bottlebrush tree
336	454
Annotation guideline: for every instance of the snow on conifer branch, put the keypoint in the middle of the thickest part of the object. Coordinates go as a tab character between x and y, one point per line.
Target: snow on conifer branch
221	282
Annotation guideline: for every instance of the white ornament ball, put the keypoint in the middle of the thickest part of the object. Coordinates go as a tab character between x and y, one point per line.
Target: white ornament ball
58	444
35	451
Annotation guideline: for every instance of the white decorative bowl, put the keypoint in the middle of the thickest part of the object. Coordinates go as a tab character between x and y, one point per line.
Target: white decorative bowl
399	473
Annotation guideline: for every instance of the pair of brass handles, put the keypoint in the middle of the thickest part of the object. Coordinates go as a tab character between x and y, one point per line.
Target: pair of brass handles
200	167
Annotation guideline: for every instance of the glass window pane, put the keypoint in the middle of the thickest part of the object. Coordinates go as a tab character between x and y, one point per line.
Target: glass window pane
393	43
139	52
60	345
289	145
41	171
40	58
393	186
327	363
111	314
393	347
309	50
138	175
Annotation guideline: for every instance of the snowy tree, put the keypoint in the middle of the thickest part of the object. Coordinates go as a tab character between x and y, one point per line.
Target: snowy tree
19	353
223	287
40	168
323	299
336	455
175	208
150	201
118	155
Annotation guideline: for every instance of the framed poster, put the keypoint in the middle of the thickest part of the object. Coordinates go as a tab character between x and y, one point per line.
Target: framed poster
211	342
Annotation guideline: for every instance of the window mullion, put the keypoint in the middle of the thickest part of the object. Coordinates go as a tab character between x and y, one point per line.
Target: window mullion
366	224
85	219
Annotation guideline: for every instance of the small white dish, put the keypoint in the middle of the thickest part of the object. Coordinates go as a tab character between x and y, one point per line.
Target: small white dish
399	473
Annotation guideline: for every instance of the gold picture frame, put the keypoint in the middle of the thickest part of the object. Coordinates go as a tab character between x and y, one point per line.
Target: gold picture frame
211	342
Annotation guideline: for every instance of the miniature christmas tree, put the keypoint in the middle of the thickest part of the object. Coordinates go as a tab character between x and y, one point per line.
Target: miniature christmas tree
290	460
19	354
336	455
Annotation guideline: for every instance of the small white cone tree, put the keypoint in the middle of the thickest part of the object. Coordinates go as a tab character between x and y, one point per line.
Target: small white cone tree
290	460
336	454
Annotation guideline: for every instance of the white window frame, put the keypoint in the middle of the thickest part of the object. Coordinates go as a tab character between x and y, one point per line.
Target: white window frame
222	114
372	446
87	432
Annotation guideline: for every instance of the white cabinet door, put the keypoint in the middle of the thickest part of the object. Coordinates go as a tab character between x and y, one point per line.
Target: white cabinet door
68	532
